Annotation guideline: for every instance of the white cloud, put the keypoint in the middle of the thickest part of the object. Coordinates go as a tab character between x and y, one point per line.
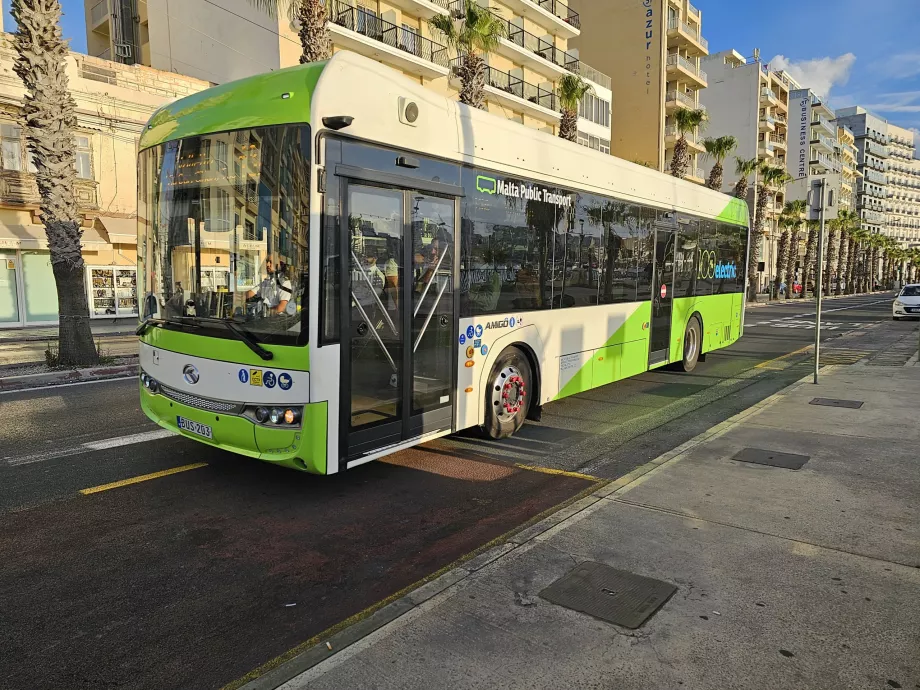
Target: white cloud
820	75
897	102
900	66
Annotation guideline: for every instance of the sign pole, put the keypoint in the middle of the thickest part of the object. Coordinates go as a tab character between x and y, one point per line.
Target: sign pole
818	275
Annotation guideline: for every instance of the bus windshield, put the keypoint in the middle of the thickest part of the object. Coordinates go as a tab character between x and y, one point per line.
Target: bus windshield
222	232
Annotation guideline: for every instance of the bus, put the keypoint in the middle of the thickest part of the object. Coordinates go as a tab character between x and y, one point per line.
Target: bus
337	263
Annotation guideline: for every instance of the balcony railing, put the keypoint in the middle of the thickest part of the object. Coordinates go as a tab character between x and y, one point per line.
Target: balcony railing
671	131
682	98
594	75
540	47
361	21
99	12
768	93
765	145
828	162
827	141
687	65
778	139
769	119
692	31
561	10
504	81
693	10
697	173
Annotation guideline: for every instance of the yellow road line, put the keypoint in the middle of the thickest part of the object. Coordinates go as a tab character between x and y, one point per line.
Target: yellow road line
765	365
562	473
141	478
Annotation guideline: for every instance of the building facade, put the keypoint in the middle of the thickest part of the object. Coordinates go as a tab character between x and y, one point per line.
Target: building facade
903	207
652	51
202	40
114	102
747	100
872	155
846	144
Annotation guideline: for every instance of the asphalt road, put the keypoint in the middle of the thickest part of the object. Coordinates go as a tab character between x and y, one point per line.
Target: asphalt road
192	579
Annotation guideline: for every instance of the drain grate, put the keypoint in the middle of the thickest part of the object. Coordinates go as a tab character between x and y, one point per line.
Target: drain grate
616	596
832	402
789	461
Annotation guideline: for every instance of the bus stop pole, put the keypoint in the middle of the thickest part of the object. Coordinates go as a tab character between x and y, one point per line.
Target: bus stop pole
818	275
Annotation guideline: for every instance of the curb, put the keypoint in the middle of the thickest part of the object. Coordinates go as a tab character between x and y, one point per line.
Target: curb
419	598
71	376
809	300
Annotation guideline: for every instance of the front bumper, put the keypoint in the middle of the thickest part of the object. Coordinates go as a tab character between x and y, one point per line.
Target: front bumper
301	449
901	312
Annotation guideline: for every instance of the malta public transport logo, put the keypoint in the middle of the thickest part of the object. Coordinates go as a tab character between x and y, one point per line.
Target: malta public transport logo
190	374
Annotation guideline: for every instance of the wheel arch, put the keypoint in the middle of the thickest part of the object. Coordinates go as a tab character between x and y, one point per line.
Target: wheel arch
699	316
535	370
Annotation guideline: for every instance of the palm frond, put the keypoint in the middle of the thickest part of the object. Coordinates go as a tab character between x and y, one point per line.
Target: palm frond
572	89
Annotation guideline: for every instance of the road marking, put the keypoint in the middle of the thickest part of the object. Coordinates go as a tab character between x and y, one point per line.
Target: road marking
90	446
766	365
141	478
558	473
65	385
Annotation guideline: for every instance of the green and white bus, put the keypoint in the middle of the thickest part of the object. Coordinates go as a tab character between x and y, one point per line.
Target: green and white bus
337	263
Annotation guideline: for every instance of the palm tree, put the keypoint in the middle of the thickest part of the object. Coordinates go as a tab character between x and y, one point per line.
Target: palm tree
874	243
686	121
718	149
311	17
782	253
796	210
858	235
811	254
49	115
771	179
470	32
744	168
830	256
572	89
847	220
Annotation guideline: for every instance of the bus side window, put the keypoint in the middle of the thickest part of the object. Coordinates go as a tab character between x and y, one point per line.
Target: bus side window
645	247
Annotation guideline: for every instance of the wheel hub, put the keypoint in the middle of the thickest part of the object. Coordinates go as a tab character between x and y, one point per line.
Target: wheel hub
690	345
508	392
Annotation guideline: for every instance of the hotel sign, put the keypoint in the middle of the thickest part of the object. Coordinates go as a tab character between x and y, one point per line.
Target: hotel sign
802	152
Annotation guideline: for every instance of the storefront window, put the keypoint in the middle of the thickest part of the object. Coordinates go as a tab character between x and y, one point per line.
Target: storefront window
9	295
11	147
39	288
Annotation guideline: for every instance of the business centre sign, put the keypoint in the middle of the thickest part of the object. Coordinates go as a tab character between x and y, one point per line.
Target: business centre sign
802	152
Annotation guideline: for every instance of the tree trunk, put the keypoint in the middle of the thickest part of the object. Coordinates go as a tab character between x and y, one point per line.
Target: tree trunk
49	114
810	247
782	258
741	189
568	125
831	261
75	344
851	266
791	258
715	177
756	238
841	263
681	160
314	31
472	71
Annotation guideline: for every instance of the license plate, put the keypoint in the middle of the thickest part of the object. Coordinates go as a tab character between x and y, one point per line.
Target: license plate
911	310
188	425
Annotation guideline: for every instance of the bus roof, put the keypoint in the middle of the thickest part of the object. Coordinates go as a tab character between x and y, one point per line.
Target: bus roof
351	84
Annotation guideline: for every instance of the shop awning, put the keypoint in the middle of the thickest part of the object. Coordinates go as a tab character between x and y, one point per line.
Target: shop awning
120	230
34	237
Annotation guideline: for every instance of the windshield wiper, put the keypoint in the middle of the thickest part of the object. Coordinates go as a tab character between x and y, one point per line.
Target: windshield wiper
240	334
147	324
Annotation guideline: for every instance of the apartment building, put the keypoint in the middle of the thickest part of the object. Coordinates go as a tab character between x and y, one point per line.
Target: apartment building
903	207
114	102
203	40
846	144
652	51
872	156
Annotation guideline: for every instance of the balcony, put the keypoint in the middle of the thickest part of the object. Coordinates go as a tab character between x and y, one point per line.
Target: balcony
98	14
824	123
551	13
778	141
693	11
768	95
679	65
678	99
765	149
821	140
877	149
697	175
536	53
518	94
827	162
671	135
767	123
595	76
356	29
688	35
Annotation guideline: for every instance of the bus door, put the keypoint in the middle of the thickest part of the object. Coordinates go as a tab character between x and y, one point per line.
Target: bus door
399	360
662	290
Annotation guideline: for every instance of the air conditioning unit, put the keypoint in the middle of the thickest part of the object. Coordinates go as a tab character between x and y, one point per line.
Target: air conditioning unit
409	112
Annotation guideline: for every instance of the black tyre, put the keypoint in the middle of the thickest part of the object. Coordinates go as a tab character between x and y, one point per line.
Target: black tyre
693	344
508	394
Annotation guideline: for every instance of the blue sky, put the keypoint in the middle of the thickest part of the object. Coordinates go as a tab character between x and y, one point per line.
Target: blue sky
854	51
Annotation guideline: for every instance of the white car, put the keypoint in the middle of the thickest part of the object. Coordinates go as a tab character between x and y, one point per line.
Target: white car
907	303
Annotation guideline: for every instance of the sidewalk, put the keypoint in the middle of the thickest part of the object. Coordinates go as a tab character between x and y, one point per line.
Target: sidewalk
100	327
767	302
785	578
22	347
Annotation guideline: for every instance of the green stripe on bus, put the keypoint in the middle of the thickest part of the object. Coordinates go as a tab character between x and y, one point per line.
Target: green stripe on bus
277	98
735	213
291	357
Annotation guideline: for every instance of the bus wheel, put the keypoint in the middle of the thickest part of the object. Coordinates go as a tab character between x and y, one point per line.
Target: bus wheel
693	344
508	395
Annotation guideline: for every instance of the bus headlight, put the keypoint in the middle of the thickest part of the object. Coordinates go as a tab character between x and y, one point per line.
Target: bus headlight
284	417
261	414
276	415
149	382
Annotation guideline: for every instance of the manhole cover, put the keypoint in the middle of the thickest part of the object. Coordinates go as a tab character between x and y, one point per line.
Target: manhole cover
831	402
789	461
612	595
